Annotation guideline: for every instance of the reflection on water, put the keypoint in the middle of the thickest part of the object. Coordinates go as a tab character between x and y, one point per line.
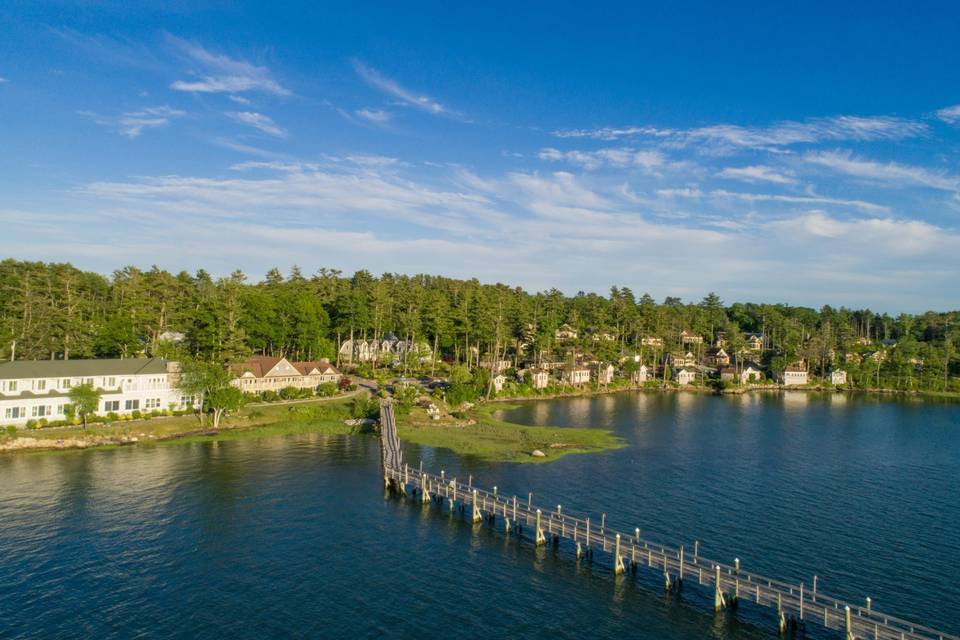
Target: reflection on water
292	536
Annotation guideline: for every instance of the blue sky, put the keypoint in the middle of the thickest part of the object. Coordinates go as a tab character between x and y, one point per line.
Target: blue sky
808	155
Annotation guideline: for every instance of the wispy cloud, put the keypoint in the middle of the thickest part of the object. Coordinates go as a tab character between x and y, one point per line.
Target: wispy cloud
258	121
133	123
239	99
391	87
223	74
622	157
2	80
837	128
687	192
890	174
950	114
376	116
756	173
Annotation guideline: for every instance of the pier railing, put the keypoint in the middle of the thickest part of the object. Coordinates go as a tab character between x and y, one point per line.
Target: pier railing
795	604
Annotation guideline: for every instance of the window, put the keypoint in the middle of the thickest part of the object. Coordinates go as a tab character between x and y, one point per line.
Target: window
15	412
111	405
111	382
39	385
131	405
61	409
39	412
151	403
12	385
89	381
65	383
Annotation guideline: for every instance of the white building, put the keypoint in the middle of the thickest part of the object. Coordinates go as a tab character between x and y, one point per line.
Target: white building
641	375
605	373
40	389
838	377
794	375
576	375
539	379
498	381
684	375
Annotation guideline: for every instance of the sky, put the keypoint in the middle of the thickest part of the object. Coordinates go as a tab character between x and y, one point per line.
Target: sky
805	153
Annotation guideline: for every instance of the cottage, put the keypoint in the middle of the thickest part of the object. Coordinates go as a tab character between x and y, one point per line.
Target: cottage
688	337
495	365
604	373
684	375
754	342
266	373
750	374
650	341
794	375
565	332
728	374
539	379
40	389
641	375
717	357
498	381
838	377
576	375
681	359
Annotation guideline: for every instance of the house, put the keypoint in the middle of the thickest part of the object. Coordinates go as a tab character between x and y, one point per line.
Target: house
749	374
681	359
838	377
498	381
539	379
40	389
717	357
576	375
754	342
565	332
720	339
684	375
317	373
360	350
495	365
794	375
641	375
688	337
604	373
266	373
650	341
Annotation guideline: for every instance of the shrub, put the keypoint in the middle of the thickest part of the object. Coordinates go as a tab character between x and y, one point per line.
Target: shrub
327	389
31	424
11	430
155	413
113	416
269	396
289	393
135	414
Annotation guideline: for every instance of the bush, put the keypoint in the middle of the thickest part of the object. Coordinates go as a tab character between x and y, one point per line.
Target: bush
269	396
31	424
289	393
155	413
11	430
113	416
135	414
327	389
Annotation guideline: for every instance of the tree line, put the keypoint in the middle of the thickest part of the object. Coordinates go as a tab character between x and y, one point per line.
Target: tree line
54	310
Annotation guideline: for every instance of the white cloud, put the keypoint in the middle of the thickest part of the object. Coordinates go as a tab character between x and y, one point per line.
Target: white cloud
622	157
222	74
950	114
133	123
378	81
239	99
376	116
756	173
890	174
862	205
258	121
2	80
856	128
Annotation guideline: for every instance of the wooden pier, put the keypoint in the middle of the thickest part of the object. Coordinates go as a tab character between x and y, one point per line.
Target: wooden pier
795	605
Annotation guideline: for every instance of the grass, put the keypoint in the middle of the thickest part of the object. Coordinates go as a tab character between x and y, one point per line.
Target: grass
255	421
492	439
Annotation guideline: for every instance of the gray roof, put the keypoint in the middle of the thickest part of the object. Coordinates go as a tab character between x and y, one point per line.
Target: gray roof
20	369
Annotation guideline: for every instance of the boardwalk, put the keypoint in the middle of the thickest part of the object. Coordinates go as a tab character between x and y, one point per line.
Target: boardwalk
795	605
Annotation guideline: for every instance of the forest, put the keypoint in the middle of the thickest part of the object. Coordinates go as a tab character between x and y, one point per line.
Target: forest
53	310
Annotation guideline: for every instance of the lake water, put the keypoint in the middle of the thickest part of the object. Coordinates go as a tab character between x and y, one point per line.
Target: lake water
293	536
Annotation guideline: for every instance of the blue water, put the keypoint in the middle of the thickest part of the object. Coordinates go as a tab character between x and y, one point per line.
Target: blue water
293	536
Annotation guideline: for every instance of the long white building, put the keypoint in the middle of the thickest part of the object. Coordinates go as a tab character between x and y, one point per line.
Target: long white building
35	389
